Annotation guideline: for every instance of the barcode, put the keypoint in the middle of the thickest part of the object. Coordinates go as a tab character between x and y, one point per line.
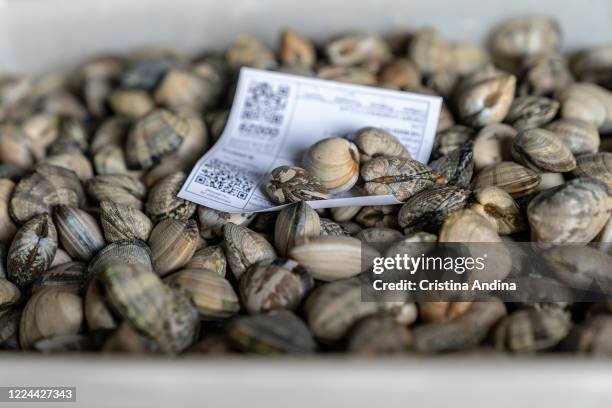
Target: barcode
265	103
226	177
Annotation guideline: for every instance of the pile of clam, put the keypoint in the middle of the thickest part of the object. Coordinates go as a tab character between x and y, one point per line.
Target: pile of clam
98	253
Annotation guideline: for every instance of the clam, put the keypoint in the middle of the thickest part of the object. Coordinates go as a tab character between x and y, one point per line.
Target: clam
450	139
400	73
128	252
492	145
540	150
429	208
111	132
378	235
79	232
16	148
597	166
544	74
593	65
485	97
351	75
330	258
443	83
591	337
378	216
97	314
211	258
341	214
587	102
7	226
579	136
244	247
529	330
155	136
573	212
193	88
272	285
181	322
163	203
457	166
32	250
335	162
581	267
442	312
358	48
333	308
373	142
296	50
467	58
49	312
116	188
69	277
110	159
212	221
43	189
61	257
248	51
72	137
379	335
297	221
511	177
3	255
9	295
9	329
520	37
465	331
130	103
328	227
290	184
74	161
401	177
531	112
468	226
500	209
277	332
173	243
429	50
121	222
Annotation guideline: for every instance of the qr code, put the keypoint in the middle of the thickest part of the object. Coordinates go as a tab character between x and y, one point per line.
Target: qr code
264	103
225	177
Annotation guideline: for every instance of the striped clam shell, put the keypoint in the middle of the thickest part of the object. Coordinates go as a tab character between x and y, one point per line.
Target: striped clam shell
509	176
79	232
541	150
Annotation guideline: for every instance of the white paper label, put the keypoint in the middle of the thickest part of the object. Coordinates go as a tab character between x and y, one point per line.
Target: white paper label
276	117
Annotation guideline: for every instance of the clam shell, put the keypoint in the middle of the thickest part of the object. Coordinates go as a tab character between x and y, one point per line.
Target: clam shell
121	222
541	150
61	257
400	73
401	177
531	112
277	332
193	88
379	335
212	294
591	337
78	232
340	214
544	74
32	250
579	136
97	314
49	312
335	162
212	221
110	159
111	132
450	139
378	216
116	188
267	286
297	221
511	177
587	102
573	212
211	258
597	166
69	277
429	50
244	248
328	227
43	189
581	267
357	48
296	50
465	331
429	208
248	51
378	235
9	329
333	308
467	58
163	202
442	312
130	103
492	145
500	209
74	161
485	97
330	258
173	243
72	137
156	135
530	330
373	142
290	184
7	226
181	323
127	252
9	295
456	167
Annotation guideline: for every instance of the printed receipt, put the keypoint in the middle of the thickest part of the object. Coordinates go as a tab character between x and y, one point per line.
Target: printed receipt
276	117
